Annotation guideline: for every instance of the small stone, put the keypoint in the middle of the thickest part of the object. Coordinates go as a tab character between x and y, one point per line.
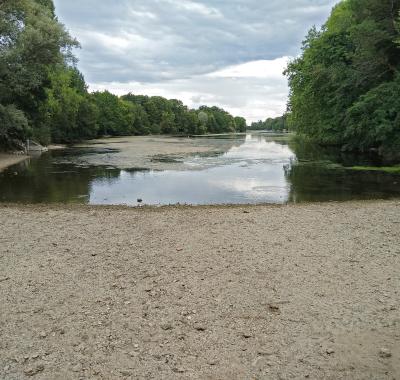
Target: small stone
274	308
32	371
385	353
178	370
125	372
247	335
246	212
43	335
76	368
330	351
200	328
167	326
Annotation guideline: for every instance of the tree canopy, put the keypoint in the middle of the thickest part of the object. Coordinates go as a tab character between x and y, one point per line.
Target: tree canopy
344	88
277	124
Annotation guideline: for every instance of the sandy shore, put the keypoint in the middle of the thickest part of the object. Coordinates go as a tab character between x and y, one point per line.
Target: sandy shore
7	160
264	292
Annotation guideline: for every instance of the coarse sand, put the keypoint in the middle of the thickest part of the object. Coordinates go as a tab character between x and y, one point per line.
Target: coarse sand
241	292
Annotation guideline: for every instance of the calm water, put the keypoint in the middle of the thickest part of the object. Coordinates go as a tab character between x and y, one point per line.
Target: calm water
256	168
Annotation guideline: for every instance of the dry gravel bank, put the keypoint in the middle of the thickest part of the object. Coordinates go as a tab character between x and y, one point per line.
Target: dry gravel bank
263	292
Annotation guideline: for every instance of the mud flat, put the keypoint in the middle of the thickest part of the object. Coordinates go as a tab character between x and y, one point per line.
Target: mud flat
152	152
261	292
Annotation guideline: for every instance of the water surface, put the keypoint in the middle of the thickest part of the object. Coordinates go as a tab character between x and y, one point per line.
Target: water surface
256	168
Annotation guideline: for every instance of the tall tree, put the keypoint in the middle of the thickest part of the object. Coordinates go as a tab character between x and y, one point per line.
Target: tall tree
338	82
32	42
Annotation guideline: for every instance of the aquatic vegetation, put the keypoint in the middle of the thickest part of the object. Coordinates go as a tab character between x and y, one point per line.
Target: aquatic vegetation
387	169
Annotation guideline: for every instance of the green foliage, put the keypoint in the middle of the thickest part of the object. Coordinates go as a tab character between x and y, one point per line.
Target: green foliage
70	114
344	87
241	124
13	127
278	124
32	43
173	117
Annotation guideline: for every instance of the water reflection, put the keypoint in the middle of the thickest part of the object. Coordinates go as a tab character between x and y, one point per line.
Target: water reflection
256	169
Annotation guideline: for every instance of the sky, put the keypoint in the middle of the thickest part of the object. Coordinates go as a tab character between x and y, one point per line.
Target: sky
227	53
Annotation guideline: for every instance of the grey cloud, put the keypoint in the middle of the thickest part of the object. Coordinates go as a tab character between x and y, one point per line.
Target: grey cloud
168	47
170	39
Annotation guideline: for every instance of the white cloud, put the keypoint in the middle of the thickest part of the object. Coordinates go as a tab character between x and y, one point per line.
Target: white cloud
196	7
271	69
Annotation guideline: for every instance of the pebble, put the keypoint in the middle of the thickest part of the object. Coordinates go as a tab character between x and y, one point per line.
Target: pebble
43	335
166	326
274	308
330	351
32	371
76	368
178	370
385	353
247	335
200	328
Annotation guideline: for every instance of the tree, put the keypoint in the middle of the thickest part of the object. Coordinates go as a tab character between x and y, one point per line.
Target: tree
345	67
32	43
241	124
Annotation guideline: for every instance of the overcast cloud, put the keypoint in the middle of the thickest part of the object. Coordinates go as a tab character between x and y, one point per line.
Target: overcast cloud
229	53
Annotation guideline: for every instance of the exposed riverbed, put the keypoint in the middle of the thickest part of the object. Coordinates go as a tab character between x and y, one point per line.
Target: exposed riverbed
262	292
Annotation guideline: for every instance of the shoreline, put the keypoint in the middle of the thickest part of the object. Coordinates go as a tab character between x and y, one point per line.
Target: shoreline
230	292
180	206
9	159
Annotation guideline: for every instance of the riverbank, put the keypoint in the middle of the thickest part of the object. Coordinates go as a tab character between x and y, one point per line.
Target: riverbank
7	160
263	292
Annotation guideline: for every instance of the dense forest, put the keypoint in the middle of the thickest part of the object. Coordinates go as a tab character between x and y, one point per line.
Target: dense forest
43	96
345	87
277	124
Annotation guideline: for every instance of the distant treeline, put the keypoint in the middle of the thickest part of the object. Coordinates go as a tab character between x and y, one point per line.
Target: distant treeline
43	96
345	87
278	124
